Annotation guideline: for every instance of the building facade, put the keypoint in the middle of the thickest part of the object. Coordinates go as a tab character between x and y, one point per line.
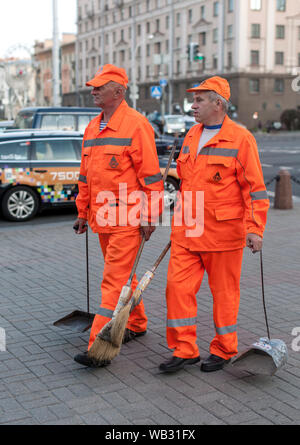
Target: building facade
43	59
255	44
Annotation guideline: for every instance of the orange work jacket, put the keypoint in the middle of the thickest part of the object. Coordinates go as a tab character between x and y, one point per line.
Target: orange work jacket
232	198
123	153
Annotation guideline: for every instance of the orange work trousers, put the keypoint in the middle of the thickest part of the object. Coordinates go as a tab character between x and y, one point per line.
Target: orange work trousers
119	252
185	274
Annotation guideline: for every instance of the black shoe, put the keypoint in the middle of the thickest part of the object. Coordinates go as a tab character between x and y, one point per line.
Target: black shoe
213	363
177	363
131	335
85	360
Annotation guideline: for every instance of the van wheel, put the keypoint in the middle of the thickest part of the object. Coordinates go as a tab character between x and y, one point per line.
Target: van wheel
171	188
20	204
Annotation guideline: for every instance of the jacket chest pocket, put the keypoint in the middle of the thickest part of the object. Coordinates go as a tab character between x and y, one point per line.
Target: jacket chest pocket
86	156
219	168
183	164
114	158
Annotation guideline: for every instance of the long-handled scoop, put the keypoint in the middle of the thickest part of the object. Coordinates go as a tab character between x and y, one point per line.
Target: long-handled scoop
266	355
79	321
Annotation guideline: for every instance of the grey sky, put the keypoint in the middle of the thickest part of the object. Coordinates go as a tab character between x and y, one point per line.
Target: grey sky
24	21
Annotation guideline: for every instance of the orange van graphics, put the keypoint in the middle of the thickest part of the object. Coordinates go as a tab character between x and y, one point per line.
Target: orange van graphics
38	171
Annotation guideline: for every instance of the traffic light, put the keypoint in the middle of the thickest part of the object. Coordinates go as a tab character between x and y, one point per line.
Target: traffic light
193	52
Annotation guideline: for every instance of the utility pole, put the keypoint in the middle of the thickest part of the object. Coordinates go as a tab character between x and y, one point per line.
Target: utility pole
55	57
77	62
133	57
171	55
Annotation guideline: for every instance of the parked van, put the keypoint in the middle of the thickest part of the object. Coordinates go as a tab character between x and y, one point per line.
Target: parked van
55	118
40	169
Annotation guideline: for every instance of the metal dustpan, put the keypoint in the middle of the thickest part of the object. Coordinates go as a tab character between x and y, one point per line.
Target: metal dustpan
267	355
79	321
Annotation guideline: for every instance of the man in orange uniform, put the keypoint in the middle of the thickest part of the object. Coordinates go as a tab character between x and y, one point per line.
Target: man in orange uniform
222	208
119	173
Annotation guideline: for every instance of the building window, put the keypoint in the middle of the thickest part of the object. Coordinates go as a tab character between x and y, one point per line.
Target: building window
281	5
279	58
190	16
216	9
230	5
229	60
279	85
280	31
167	22
203	38
298	59
255	5
230	31
215	35
178	19
202	12
255	30
215	62
254	58
254	86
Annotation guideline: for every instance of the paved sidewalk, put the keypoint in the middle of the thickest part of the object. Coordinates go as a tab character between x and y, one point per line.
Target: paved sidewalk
43	278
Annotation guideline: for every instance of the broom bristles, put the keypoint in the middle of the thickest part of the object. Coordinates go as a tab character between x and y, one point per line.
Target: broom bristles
108	342
103	350
119	326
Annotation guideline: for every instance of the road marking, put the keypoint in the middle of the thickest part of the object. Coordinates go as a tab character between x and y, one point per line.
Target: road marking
267	165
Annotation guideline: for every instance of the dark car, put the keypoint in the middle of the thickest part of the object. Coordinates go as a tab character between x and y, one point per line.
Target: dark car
55	118
40	169
165	142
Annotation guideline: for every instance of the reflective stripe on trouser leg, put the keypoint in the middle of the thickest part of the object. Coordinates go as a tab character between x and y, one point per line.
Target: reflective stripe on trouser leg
119	251
185	274
224	271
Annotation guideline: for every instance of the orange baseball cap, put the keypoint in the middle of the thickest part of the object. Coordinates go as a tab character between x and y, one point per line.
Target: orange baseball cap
106	73
217	84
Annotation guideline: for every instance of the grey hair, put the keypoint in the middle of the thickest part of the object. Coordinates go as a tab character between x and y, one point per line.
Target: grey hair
214	96
118	86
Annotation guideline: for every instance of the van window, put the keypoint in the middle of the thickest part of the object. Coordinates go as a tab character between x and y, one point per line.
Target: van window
58	122
24	120
83	122
14	151
50	150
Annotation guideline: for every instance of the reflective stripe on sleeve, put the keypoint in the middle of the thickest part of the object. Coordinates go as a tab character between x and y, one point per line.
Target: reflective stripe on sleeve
185	149
82	179
228	152
100	142
226	330
152	179
105	312
256	196
181	322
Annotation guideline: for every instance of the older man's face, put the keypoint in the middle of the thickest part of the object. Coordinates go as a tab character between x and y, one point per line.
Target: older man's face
104	95
204	109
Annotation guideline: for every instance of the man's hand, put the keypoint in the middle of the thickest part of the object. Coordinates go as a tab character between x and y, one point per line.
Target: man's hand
80	226
254	242
147	231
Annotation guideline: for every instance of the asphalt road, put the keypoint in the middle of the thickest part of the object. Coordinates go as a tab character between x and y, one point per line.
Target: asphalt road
280	151
277	151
